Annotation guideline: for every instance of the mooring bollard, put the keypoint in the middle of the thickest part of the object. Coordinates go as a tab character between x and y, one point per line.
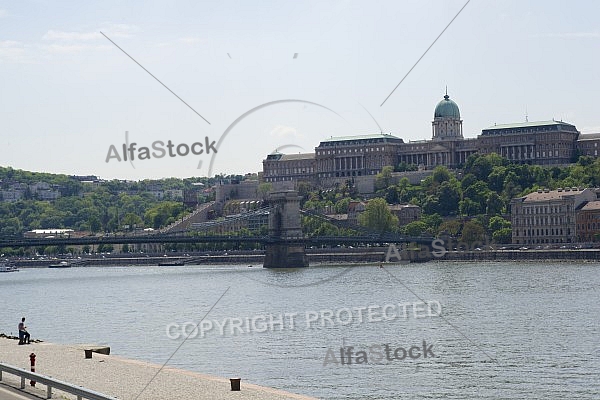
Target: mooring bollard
235	384
32	359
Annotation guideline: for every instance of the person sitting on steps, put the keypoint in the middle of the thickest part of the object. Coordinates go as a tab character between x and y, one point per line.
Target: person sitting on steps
23	334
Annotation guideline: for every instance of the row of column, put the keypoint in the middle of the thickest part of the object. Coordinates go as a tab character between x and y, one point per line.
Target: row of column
520	152
348	163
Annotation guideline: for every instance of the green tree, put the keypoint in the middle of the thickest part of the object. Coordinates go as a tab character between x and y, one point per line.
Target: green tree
384	178
503	235
378	217
415	228
473	232
494	204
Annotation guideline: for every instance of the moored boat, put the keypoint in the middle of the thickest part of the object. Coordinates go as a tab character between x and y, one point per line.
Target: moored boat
6	266
62	264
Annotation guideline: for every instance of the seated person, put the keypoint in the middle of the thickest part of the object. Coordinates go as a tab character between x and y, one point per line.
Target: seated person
23	334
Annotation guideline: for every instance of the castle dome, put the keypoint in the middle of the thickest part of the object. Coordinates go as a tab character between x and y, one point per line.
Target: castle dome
446	109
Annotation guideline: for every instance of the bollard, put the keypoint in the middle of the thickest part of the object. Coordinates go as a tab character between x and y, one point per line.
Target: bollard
235	384
32	359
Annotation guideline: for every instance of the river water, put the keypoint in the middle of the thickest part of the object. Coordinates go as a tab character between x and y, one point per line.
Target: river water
506	330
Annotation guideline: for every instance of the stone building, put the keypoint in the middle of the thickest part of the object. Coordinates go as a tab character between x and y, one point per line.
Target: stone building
359	158
406	213
548	216
352	156
448	147
588	144
588	222
278	167
541	143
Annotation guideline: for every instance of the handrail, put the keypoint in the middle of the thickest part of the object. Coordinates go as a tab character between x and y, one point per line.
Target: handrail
80	392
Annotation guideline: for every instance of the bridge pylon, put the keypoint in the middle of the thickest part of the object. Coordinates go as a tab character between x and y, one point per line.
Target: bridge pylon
284	227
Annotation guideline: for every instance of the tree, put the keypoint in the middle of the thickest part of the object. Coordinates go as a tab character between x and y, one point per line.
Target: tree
341	206
503	235
496	223
384	178
449	195
264	189
451	227
441	174
378	217
494	204
469	207
473	232
415	228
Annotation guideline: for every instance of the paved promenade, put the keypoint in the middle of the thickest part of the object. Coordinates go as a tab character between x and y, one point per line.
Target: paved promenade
124	378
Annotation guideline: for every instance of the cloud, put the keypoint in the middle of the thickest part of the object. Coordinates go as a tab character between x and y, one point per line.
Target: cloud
590	129
570	35
119	30
71	36
190	40
284	131
11	50
111	30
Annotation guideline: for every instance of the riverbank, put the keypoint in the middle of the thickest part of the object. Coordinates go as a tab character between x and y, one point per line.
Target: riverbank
320	256
124	378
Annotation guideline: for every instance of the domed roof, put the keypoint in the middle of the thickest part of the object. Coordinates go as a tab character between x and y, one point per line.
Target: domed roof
446	108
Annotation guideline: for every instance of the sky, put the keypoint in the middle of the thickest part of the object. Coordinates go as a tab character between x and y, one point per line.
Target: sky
68	93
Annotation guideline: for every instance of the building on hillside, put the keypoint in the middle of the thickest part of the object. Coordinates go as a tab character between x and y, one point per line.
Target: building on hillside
540	143
280	167
236	190
359	158
588	222
548	216
406	213
355	208
588	144
352	156
447	147
11	195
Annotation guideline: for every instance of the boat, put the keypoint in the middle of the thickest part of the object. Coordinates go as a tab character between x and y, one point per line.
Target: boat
171	264
6	266
62	264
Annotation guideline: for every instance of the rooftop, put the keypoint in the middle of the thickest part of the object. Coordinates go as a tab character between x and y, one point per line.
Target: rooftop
529	124
546	195
446	109
591	205
361	137
299	156
589	136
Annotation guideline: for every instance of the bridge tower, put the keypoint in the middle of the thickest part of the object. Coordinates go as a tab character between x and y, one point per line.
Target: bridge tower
284	227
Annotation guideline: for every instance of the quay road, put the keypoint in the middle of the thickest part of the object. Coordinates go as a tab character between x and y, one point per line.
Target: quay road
170	238
10	393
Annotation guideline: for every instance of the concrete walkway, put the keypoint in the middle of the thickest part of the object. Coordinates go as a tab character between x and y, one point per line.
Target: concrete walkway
124	378
10	393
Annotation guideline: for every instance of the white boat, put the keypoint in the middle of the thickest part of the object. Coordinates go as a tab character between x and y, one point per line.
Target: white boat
5	266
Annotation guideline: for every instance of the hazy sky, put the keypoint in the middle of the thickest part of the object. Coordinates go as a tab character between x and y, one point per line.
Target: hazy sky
68	94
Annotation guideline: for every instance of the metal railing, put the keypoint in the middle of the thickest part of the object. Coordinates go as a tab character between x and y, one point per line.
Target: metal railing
51	383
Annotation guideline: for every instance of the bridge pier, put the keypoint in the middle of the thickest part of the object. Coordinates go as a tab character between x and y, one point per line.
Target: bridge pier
284	228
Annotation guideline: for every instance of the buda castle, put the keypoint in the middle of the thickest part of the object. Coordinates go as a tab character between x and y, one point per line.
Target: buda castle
338	159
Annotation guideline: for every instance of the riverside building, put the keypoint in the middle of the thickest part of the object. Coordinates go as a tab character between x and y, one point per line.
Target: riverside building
339	159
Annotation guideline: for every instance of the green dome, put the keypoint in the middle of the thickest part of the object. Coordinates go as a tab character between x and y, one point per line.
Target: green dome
446	108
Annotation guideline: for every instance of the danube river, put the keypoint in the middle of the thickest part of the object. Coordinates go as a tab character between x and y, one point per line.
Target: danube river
506	330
